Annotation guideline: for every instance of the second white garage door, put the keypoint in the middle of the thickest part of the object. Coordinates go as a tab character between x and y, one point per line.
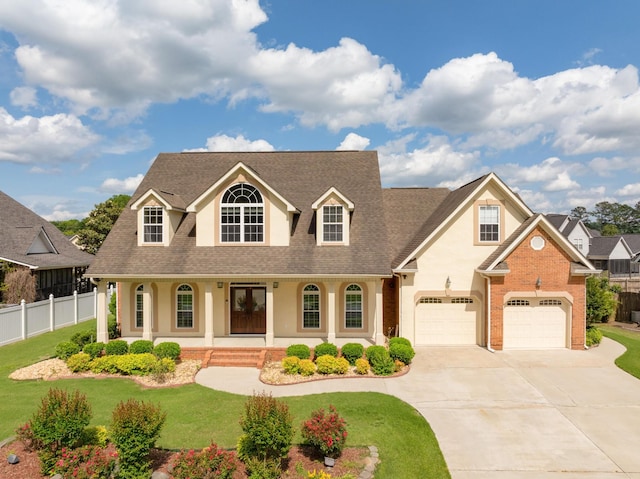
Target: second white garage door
535	324
446	321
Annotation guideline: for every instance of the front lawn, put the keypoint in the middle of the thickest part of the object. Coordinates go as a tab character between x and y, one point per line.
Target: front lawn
197	415
630	360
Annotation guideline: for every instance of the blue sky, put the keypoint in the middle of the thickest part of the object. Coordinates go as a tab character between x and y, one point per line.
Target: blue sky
545	93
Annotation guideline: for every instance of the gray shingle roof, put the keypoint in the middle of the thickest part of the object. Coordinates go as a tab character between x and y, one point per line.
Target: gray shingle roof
300	177
602	246
633	240
20	227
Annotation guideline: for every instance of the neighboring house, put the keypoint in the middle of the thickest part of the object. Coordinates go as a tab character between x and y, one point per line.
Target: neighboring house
286	247
633	241
574	230
612	254
27	239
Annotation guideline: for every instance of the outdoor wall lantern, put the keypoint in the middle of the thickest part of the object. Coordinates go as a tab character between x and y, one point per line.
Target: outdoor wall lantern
220	284
538	282
447	283
276	284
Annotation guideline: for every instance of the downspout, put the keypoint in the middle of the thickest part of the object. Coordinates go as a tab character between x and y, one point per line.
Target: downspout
399	289
488	278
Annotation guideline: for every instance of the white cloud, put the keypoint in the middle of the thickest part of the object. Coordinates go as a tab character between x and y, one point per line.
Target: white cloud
48	139
588	197
237	143
353	141
24	97
632	189
125	186
607	167
553	173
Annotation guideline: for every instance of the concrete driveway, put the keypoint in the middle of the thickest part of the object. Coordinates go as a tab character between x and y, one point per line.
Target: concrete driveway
516	414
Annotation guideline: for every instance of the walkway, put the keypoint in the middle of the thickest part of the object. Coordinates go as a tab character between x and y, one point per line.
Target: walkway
508	415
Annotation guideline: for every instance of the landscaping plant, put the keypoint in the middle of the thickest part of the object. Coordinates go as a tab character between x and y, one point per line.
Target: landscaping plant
352	352
301	351
116	347
168	349
327	432
324	349
212	462
66	349
140	346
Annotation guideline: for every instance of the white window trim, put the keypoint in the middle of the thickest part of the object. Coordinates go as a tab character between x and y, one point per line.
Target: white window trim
498	223
360	292
242	225
184	293
316	293
164	220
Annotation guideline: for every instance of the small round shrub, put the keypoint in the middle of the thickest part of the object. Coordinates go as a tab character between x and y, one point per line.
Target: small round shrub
380	361
291	365
94	436
93	349
352	351
398	365
301	351
401	352
398	340
341	366
84	337
325	364
374	352
78	362
167	349
593	337
362	366
141	346
324	349
66	349
306	367
162	368
116	347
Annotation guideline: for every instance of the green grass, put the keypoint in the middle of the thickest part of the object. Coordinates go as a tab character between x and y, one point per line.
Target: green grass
630	360
197	415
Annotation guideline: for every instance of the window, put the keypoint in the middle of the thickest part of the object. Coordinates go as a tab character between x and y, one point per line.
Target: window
489	223
332	223
139	307
518	302
462	300
242	215
578	243
550	302
311	306
429	300
152	224
184	306
353	306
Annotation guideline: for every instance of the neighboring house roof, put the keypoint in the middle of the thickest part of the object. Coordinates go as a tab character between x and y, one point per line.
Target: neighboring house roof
30	240
557	220
633	241
496	264
602	246
300	178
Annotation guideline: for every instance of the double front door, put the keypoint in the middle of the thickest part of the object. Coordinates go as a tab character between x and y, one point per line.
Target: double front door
248	310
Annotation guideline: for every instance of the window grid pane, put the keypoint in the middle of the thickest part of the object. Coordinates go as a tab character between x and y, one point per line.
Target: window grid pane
184	307
139	310
243	223
332	223
152	224
489	223
311	308
353	310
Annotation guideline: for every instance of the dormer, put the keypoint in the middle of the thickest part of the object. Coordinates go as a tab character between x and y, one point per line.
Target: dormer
41	244
158	216
242	209
333	214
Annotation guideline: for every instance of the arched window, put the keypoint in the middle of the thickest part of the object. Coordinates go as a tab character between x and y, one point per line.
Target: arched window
139	307
242	215
353	306
184	306
311	306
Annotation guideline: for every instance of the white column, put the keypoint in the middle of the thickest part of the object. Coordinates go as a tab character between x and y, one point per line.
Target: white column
270	335
331	313
52	313
102	332
208	314
378	315
147	332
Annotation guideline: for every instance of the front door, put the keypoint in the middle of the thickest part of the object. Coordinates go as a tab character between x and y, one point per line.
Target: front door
248	310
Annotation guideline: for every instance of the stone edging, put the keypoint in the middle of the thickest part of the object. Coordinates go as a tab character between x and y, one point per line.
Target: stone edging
371	463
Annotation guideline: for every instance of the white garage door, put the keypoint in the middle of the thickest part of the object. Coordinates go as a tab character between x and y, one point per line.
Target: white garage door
446	321
535	324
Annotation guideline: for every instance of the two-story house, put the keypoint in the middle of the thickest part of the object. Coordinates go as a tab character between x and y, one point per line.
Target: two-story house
285	247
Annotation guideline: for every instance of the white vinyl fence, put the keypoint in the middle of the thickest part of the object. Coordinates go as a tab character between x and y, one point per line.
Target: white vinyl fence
26	320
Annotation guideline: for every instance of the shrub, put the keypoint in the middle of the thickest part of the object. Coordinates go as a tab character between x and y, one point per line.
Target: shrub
291	365
94	349
398	340
19	284
116	347
306	367
135	427
326	364
66	349
127	364
94	436
398	365
301	351
84	337
401	352
211	462
105	364
79	362
58	423
380	361
325	432
352	351
162	368
362	366
267	428
323	349
141	346
168	349
375	352
263	469
85	462
593	336
112	326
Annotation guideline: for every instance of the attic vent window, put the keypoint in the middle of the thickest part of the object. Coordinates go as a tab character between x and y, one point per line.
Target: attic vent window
537	243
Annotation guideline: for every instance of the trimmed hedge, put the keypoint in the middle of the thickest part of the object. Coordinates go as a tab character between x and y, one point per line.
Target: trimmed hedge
324	349
401	352
398	340
66	349
380	360
141	346
167	349
301	351
116	347
93	349
352	352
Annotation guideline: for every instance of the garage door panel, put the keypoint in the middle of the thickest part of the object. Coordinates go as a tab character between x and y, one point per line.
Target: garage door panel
542	324
446	323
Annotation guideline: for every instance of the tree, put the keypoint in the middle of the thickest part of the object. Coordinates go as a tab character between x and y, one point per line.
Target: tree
601	299
580	213
100	221
19	284
69	227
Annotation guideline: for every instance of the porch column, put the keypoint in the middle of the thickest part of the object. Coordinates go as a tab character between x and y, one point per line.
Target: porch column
268	338
331	313
378	315
208	314
146	312
102	333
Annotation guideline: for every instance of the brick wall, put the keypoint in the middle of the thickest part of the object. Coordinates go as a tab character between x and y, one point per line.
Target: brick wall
553	266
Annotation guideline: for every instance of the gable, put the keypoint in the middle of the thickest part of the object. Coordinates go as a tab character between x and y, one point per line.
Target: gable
41	244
